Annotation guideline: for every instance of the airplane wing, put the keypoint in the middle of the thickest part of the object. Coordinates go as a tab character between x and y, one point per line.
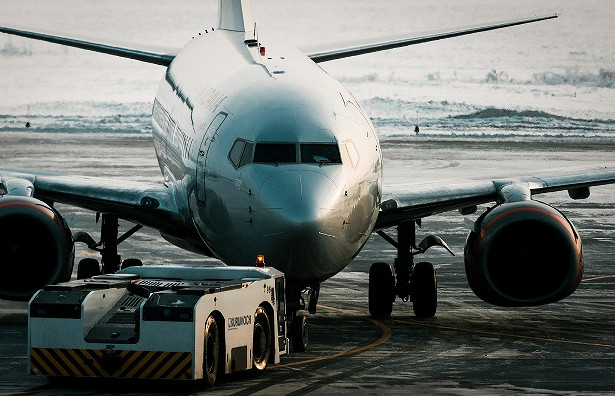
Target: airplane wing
348	49
146	53
405	203
164	55
149	204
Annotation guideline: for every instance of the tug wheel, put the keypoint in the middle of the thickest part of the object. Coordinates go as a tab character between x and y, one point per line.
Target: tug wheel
262	340
212	352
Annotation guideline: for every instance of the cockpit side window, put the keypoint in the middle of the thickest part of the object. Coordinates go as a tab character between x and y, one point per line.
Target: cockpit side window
320	153
246	157
241	153
275	153
353	154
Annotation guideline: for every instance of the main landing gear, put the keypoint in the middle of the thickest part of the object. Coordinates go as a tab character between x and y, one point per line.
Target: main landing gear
414	282
109	240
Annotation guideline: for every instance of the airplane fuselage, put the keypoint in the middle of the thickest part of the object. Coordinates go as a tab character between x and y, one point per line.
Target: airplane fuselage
267	154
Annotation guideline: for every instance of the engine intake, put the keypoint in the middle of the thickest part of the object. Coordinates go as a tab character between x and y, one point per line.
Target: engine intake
36	247
523	254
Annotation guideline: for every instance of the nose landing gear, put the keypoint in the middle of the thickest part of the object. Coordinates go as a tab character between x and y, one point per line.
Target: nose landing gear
298	298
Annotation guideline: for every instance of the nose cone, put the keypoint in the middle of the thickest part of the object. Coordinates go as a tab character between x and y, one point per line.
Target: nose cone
299	198
303	224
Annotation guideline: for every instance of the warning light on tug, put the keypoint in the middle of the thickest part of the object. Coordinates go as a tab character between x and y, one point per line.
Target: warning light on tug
260	260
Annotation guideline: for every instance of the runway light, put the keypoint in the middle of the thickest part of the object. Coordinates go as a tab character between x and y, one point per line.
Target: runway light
260	260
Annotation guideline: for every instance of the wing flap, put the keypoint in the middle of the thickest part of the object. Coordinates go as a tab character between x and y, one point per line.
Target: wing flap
348	49
146	53
426	200
406	203
149	204
572	181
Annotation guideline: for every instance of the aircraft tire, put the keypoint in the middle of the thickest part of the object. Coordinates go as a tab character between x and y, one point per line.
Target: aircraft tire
87	268
261	340
131	262
300	333
211	358
381	290
424	290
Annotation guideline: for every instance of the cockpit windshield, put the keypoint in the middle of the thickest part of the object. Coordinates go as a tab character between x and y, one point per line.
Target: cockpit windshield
320	153
275	153
284	153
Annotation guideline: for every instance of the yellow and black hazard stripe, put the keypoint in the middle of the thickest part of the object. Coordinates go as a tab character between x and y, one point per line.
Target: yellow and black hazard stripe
110	363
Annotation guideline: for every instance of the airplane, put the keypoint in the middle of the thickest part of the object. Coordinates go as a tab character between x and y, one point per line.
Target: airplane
265	156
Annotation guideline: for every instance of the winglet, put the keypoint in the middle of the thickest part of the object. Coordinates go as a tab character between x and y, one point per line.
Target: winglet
236	16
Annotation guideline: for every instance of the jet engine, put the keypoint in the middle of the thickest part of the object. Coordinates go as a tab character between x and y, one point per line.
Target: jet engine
523	254
36	247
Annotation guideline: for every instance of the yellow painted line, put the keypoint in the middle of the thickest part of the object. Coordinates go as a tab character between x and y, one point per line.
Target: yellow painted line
88	253
38	361
56	365
386	333
95	356
180	366
127	363
154	364
84	366
139	365
507	335
171	363
340	310
598	278
64	358
167	366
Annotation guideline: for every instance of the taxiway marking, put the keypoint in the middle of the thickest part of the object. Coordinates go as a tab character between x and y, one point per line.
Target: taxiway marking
597	278
386	333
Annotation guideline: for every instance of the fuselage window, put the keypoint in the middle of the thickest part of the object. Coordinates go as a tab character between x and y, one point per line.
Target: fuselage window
320	153
275	153
241	153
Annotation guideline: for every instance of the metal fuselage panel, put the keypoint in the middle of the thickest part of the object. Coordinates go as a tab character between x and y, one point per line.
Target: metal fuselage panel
308	219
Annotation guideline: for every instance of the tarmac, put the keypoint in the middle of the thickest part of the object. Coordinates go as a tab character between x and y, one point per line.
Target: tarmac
469	347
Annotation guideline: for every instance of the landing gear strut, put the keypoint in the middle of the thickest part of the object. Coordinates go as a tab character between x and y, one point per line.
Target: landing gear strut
414	282
298	298
107	247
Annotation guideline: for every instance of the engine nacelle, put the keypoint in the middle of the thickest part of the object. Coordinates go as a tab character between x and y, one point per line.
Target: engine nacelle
522	254
36	247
